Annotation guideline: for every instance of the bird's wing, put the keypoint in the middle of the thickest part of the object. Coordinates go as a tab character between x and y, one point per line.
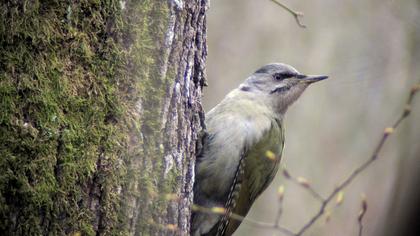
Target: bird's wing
220	227
233	196
246	187
263	168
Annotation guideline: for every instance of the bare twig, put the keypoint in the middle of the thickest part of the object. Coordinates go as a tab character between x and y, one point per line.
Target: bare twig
280	193
295	14
251	222
338	202
362	213
388	131
304	183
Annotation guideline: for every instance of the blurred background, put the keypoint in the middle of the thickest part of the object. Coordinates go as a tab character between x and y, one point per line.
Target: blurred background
371	51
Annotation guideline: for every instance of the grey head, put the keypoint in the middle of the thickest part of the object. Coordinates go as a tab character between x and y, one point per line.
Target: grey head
279	84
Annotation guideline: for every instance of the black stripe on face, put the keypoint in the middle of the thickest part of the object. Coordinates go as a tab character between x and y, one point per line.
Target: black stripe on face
280	89
284	75
245	88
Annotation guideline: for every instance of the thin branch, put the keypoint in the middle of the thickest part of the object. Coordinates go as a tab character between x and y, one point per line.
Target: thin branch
362	213
304	183
296	14
280	193
222	211
278	215
388	131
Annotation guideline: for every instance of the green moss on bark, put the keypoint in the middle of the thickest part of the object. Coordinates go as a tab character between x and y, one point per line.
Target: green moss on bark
81	92
151	19
62	106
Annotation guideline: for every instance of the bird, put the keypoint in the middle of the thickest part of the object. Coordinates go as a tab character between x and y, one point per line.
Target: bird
241	147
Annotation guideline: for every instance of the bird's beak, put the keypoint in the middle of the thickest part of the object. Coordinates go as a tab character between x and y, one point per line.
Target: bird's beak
313	78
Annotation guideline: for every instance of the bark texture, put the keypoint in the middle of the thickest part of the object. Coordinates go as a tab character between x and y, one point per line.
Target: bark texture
99	115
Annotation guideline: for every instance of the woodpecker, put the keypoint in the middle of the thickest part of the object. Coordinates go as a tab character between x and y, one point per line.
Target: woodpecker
242	146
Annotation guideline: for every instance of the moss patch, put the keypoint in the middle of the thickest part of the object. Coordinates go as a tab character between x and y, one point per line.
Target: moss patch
64	92
71	77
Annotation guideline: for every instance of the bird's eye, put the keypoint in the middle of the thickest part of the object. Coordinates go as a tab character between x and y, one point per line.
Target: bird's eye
284	75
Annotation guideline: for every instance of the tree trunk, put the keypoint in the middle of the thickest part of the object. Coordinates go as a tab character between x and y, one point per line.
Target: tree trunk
99	115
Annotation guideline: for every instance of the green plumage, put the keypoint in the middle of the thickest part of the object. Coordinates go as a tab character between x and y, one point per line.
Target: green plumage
259	170
234	168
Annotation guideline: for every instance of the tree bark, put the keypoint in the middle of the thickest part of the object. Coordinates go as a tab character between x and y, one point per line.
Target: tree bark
99	114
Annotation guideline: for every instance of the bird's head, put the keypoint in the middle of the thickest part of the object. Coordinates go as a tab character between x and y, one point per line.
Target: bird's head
279	84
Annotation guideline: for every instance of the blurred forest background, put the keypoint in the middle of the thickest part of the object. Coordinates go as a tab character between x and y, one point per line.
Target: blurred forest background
371	51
